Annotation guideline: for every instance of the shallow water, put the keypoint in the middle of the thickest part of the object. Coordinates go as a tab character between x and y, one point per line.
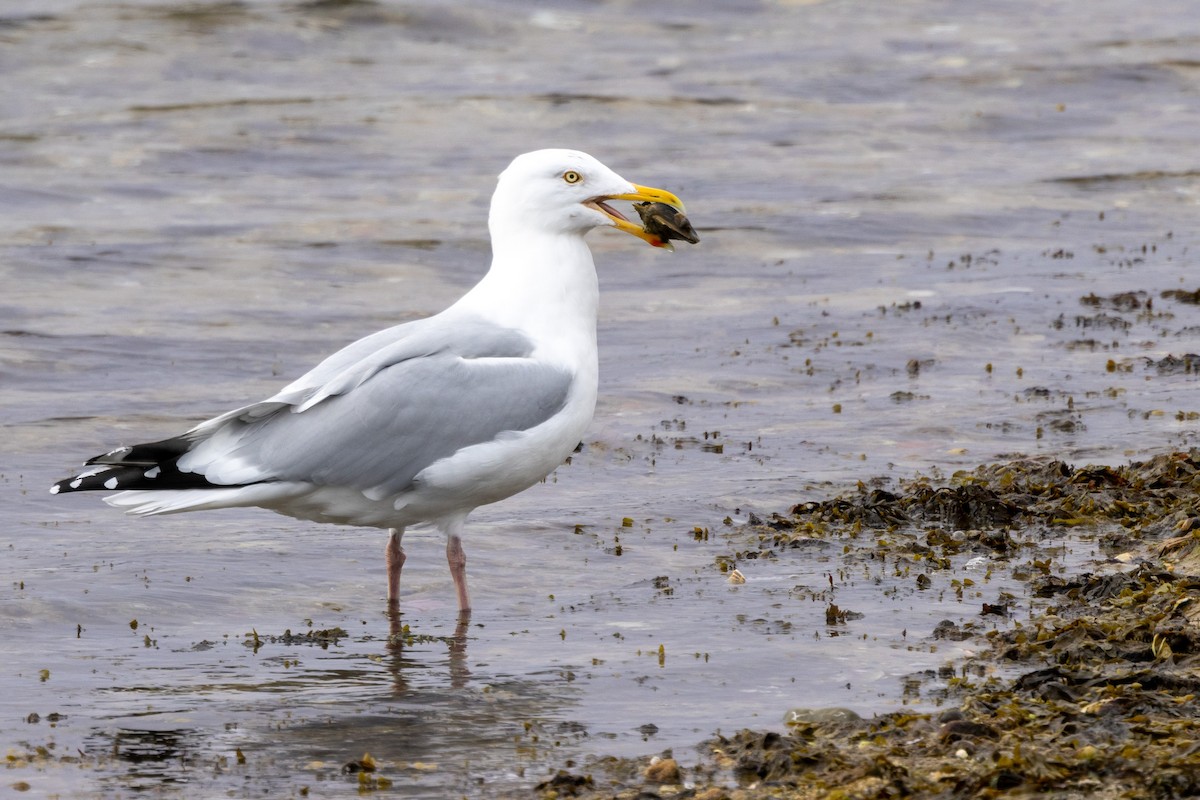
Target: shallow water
199	201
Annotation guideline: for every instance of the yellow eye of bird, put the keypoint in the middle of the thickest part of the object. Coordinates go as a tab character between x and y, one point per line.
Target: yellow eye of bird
571	176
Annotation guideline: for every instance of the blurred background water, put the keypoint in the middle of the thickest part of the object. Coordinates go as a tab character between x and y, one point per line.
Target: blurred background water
915	218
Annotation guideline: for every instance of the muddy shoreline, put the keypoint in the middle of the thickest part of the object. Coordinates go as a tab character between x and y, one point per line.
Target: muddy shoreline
1089	689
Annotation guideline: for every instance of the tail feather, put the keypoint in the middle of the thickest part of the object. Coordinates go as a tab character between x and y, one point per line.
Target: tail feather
149	503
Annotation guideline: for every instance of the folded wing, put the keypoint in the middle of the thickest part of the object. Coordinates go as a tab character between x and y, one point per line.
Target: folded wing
369	417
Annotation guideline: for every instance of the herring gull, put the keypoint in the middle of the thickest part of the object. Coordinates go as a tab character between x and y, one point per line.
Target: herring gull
424	421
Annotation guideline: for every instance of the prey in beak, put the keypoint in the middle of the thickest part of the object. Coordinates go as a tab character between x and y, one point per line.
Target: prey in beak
662	215
666	222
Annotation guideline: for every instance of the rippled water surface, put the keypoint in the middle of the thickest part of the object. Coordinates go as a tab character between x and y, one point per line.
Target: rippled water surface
918	223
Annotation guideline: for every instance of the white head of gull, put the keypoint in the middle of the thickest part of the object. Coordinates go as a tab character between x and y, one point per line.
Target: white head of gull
425	421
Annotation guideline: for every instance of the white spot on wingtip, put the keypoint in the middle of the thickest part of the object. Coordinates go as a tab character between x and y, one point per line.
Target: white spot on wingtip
111	483
54	489
153	472
75	483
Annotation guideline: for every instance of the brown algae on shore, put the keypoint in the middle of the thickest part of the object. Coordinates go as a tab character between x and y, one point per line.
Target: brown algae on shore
1094	692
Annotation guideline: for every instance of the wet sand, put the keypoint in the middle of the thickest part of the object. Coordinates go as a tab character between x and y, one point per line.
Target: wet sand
929	242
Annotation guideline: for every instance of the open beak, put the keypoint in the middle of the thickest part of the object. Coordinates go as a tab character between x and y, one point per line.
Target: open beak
640	194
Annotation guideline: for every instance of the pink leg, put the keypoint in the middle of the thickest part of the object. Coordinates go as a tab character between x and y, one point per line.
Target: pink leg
457	559
395	561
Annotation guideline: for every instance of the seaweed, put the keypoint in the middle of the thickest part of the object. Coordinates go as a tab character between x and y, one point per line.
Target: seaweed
1093	694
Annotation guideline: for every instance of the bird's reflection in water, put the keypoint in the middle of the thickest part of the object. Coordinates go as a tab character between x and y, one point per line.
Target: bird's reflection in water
399	637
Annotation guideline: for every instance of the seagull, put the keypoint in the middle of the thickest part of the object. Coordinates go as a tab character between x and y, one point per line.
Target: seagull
425	421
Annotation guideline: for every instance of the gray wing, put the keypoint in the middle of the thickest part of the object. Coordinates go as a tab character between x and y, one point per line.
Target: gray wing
374	423
469	337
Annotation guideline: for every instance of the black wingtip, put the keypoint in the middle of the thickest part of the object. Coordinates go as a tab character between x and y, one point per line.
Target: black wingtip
143	466
108	478
146	455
